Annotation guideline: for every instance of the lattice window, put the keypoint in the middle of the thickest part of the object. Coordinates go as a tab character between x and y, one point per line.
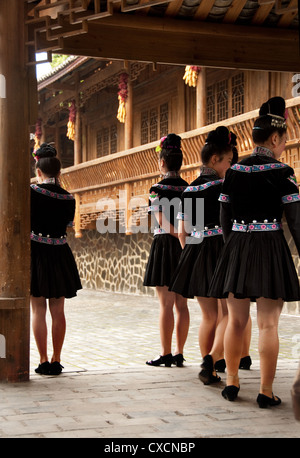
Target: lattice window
144	127
225	99
113	139
106	141
237	84
222	100
154	123
210	105
164	119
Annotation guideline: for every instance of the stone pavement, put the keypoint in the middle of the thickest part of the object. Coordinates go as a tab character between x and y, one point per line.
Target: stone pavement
107	391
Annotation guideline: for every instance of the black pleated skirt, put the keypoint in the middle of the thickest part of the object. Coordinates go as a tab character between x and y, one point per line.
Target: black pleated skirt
163	259
256	264
196	267
54	272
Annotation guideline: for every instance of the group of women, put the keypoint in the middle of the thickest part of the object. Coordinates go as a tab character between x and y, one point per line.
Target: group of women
229	253
226	253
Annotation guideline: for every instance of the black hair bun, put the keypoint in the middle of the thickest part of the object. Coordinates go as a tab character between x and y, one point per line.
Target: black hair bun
172	141
46	150
275	106
221	136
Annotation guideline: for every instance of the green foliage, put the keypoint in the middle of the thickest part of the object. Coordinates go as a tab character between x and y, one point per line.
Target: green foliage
58	59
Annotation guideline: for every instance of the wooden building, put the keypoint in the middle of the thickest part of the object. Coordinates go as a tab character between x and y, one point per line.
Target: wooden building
110	157
246	35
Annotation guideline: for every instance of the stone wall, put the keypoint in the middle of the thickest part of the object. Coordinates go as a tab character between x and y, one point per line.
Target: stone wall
112	262
117	262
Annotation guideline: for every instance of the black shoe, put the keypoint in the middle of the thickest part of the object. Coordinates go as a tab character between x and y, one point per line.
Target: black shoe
220	365
178	359
167	360
55	368
43	368
264	401
245	363
230	392
206	374
208	378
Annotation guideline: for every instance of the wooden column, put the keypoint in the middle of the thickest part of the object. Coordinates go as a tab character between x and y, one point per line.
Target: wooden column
77	229
14	195
128	118
78	140
57	136
201	98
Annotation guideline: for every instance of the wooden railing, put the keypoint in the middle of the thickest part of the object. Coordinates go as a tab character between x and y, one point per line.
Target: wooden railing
136	169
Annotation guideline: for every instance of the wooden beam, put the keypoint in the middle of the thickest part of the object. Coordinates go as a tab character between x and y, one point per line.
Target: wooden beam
172	41
262	13
288	16
204	9
234	10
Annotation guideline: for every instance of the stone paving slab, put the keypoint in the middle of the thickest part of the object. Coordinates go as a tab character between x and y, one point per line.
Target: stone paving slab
143	402
107	391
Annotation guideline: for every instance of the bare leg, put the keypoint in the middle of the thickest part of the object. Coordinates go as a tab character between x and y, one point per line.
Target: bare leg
182	322
207	328
238	317
166	318
56	307
268	313
217	351
247	338
39	326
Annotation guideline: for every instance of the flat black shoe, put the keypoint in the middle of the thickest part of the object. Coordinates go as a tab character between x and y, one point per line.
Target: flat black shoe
207	363
43	368
220	365
167	360
208	378
206	374
264	401
178	360
245	363
55	368
230	392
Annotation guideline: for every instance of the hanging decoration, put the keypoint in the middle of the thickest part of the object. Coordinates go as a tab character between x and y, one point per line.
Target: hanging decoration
191	75
122	96
38	134
71	122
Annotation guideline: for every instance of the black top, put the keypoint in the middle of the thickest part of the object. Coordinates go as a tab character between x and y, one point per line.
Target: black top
165	196
52	210
204	191
258	189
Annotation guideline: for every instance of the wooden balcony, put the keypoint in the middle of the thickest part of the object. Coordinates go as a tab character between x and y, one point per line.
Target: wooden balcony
136	169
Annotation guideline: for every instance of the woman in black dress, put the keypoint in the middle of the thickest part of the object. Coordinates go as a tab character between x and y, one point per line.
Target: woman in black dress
165	251
54	274
256	263
202	248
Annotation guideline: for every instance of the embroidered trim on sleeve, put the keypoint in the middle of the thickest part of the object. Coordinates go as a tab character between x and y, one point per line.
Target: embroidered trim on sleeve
290	198
224	198
155	208
182	216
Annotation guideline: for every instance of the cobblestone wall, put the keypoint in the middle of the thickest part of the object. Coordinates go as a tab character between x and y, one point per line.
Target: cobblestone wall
117	262
112	262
